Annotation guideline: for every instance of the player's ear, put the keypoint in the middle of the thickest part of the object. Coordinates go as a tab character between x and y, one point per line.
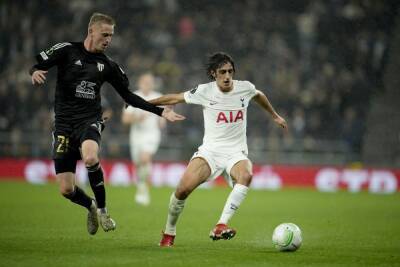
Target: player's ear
214	74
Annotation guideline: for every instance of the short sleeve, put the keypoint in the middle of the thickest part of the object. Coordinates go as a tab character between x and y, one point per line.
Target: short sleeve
252	91
195	96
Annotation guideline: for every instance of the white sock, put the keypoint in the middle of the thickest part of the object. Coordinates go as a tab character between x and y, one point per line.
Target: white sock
233	202
175	209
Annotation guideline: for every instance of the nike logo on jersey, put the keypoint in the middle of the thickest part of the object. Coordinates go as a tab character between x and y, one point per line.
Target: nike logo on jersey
78	62
213	103
193	90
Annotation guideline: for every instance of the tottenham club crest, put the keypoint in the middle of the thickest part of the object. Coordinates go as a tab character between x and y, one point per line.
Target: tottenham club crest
242	100
100	66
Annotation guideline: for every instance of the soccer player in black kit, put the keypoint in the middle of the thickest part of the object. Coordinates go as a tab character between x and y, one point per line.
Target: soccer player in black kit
82	69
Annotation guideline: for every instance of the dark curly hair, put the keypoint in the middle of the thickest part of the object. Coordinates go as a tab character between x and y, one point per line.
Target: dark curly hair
215	61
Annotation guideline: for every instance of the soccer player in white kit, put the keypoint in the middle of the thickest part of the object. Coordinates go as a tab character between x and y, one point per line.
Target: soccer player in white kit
144	136
224	149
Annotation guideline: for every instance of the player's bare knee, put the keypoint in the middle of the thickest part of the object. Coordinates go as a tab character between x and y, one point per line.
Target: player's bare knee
90	161
245	178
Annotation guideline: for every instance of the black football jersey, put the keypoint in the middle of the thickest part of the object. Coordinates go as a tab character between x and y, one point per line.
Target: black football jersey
79	79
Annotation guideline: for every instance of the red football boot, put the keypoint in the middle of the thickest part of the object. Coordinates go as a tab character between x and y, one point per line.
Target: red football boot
167	240
222	231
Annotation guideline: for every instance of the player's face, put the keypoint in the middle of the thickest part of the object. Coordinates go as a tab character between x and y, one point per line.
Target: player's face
146	83
101	34
223	76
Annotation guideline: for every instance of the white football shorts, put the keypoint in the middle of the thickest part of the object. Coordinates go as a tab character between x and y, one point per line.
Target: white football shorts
220	163
143	143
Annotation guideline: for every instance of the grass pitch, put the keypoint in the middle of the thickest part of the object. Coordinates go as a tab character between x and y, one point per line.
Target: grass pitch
40	228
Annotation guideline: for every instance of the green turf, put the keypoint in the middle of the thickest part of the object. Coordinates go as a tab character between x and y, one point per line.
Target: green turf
40	228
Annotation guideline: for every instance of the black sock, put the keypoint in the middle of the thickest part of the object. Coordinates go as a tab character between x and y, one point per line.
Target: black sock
79	197
96	180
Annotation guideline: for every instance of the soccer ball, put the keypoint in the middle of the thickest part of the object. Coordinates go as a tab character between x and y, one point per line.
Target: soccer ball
287	237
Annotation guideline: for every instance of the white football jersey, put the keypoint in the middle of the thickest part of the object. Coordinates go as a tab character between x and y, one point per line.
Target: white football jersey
150	125
225	115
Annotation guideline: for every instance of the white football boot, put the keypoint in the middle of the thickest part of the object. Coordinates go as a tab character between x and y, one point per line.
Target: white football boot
105	220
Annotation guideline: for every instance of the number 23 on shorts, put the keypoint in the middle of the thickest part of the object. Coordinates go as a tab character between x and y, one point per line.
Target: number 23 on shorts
62	144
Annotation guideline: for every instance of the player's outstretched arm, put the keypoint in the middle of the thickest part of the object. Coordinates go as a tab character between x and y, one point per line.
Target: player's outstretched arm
263	101
120	82
170	99
38	77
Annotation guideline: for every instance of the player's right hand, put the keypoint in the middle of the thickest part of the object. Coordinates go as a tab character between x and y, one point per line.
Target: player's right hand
38	77
281	122
170	115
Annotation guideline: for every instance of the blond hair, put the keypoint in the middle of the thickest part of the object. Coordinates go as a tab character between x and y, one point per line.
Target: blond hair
99	17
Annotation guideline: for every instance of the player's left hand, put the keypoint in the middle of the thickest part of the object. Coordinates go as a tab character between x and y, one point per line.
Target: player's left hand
281	122
38	77
170	115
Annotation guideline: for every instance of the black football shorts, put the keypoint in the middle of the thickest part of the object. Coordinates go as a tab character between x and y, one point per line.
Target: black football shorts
67	145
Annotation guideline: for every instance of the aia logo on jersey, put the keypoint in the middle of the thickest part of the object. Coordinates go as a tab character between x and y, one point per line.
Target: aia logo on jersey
232	116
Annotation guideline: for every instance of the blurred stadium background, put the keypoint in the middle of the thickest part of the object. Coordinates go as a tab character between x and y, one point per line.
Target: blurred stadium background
329	67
